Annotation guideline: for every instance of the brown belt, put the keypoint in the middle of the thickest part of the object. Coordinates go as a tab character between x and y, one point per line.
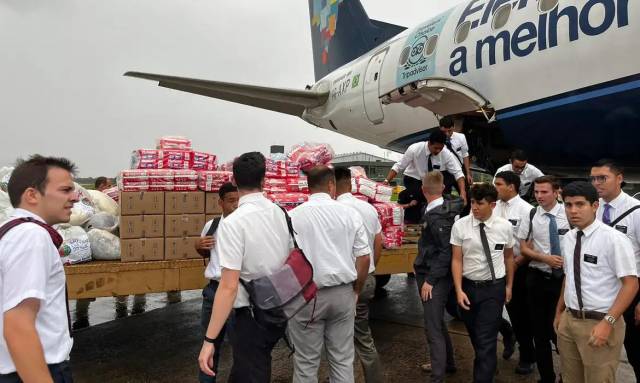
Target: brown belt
586	314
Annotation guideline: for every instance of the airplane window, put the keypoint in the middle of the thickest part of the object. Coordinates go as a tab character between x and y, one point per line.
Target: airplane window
462	32
430	47
547	5
501	16
404	56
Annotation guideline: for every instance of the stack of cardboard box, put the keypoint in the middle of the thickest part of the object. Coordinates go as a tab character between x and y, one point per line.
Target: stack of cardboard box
157	226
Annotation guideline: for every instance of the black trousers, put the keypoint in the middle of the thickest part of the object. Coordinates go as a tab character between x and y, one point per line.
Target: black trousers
414	191
543	292
252	344
518	310
208	294
482	322
60	372
632	337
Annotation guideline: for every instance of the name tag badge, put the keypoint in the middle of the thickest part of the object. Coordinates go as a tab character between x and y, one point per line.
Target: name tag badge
563	231
591	259
622	229
436	166
499	246
514	222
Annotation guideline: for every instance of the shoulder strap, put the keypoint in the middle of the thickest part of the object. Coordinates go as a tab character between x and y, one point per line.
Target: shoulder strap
290	227
532	214
626	213
10	225
214	227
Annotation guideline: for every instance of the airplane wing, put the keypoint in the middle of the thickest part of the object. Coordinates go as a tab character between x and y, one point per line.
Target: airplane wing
289	101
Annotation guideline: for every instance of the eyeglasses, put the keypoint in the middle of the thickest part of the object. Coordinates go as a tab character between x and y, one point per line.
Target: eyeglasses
598	179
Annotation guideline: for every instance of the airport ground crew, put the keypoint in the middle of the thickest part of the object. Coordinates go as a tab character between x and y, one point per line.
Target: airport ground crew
601	282
519	164
482	269
622	212
541	241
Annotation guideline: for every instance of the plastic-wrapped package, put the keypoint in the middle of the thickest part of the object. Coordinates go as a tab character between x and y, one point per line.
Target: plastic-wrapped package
83	209
390	214
275	185
113	192
103	221
297	184
366	187
185	176
361	197
185	187
104	245
392	237
383	193
75	246
211	181
358	171
104	203
5	206
173	142
144	159
288	200
309	155
204	161
5	175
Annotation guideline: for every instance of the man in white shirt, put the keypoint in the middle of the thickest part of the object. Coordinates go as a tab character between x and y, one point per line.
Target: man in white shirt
334	239
205	246
457	144
482	269
423	157
35	320
541	241
516	210
601	282
251	243
622	212
519	164
365	346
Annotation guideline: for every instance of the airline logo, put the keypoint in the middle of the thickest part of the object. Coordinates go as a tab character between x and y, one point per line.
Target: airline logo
325	18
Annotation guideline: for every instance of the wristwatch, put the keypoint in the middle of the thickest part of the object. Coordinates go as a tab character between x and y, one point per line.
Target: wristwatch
610	319
212	340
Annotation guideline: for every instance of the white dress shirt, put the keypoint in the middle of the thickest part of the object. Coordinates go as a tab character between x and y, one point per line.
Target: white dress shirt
629	225
606	256
370	219
213	270
30	267
435	203
516	211
459	145
540	232
414	162
466	233
528	175
254	240
331	235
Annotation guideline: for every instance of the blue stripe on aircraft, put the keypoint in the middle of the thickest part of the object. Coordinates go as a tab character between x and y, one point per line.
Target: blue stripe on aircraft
571	99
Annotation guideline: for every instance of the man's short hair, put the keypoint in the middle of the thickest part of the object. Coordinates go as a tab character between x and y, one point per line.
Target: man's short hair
319	177
433	182
99	182
519	155
484	191
249	170
580	189
615	167
446	122
555	183
33	173
510	178
437	137
342	174
226	188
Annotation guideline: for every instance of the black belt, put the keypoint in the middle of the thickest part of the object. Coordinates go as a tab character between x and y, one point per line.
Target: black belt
213	283
545	274
585	314
488	282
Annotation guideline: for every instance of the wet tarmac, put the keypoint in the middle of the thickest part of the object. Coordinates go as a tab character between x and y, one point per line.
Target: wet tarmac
162	344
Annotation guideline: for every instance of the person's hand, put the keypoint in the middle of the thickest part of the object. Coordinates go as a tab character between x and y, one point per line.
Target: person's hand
205	243
386	182
600	334
554	261
413	203
507	296
425	292
637	315
463	300
205	360
464	199
470	179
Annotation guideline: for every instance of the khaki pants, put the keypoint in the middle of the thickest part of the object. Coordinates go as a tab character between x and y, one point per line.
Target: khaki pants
363	340
581	362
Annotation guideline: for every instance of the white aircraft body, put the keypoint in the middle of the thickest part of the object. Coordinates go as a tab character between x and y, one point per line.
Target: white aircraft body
558	78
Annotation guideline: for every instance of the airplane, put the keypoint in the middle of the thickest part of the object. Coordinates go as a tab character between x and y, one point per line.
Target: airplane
559	79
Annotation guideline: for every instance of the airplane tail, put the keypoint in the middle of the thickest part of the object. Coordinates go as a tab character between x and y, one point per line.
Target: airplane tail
341	31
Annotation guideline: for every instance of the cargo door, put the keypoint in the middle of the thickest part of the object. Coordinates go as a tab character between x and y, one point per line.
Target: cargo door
371	88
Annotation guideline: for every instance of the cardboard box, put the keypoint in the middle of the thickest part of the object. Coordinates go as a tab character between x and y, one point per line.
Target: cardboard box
212	206
209	217
137	203
183	225
141	226
181	248
144	249
184	202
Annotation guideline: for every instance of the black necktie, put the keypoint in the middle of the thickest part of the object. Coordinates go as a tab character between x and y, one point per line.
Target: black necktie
487	251
576	267
429	164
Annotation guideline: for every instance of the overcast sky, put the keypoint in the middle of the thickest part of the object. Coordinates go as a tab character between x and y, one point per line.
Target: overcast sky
62	90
